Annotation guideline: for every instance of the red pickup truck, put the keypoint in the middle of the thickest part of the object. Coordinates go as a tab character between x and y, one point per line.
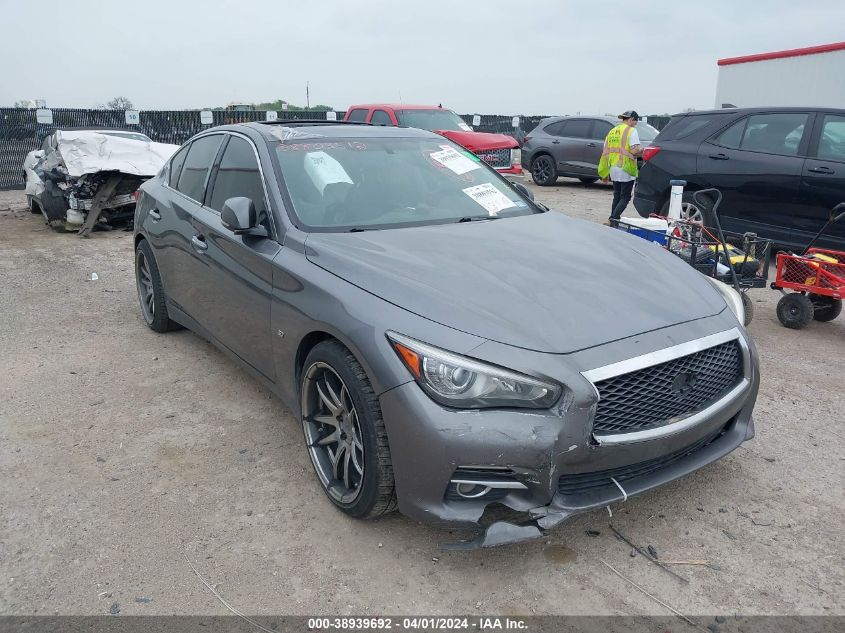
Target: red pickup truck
497	150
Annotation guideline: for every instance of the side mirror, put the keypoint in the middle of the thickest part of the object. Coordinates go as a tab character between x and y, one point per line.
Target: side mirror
239	216
525	191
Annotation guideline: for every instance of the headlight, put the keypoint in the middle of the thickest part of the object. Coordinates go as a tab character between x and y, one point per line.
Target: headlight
515	156
731	297
457	381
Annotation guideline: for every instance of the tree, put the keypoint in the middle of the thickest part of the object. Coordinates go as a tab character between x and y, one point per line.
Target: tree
119	103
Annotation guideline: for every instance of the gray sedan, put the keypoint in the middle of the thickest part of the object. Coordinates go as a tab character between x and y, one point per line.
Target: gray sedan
571	147
446	342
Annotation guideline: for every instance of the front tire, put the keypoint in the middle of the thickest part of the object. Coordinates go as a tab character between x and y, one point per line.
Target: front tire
747	308
151	291
345	433
795	311
825	308
544	170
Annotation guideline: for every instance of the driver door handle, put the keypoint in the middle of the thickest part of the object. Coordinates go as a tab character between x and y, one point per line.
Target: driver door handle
591	144
155	215
555	142
718	156
199	243
821	170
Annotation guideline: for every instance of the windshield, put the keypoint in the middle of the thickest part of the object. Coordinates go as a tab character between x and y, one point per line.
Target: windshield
390	182
646	132
432	120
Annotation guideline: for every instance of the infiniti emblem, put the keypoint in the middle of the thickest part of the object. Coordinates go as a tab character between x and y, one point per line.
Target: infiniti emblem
683	383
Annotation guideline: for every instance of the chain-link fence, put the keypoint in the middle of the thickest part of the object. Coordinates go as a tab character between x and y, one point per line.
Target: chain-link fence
21	132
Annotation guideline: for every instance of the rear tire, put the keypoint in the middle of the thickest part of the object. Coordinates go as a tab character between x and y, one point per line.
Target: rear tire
748	308
151	291
825	308
795	311
544	170
588	181
345	433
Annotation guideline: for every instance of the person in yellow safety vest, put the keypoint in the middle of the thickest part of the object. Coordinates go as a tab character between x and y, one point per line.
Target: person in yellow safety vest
619	162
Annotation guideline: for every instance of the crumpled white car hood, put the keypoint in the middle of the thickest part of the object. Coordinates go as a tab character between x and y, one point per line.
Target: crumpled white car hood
85	152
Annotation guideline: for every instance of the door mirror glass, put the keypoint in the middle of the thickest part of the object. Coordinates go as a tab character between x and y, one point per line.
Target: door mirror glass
238	215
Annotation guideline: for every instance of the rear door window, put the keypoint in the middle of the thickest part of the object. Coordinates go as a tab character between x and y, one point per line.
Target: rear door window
732	137
380	117
832	139
578	128
776	133
600	129
238	175
197	165
176	166
358	114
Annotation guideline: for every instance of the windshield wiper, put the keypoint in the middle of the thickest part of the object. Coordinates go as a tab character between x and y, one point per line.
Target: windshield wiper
477	218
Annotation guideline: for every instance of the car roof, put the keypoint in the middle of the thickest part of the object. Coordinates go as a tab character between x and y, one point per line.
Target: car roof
600	117
759	109
100	130
326	129
396	106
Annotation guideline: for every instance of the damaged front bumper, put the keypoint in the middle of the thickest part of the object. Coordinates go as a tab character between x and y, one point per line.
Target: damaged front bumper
450	465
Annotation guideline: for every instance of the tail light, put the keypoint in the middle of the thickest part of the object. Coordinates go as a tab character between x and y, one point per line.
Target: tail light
137	195
650	152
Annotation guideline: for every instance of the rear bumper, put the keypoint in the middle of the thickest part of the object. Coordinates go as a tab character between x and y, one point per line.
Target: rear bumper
644	206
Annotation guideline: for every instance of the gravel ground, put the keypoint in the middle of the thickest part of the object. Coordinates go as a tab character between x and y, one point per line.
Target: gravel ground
125	454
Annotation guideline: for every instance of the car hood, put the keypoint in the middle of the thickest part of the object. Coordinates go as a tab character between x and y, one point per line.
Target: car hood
479	141
542	282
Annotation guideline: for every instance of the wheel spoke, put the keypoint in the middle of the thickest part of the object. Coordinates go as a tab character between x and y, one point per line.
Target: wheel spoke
330	402
346	460
335	457
355	461
331	438
324	419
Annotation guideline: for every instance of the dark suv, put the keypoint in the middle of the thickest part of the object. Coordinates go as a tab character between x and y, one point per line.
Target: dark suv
780	170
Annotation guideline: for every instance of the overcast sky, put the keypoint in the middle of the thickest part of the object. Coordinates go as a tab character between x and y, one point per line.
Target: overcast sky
490	57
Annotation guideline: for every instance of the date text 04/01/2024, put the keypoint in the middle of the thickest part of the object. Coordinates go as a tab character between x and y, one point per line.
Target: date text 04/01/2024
433	623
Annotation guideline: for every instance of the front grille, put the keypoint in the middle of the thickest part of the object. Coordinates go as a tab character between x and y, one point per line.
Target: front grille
578	484
497	158
654	396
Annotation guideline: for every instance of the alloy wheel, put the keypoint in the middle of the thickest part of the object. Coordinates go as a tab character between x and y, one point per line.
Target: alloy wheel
332	432
691	212
541	170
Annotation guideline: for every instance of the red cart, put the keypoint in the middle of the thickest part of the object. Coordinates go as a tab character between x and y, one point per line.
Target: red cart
817	279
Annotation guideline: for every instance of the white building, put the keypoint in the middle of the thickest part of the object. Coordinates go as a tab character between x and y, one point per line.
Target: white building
813	76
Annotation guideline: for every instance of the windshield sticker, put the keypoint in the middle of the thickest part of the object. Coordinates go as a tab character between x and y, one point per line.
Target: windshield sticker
490	198
465	127
454	160
324	170
471	156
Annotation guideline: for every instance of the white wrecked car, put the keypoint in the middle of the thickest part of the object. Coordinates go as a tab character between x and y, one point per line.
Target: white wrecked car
76	171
